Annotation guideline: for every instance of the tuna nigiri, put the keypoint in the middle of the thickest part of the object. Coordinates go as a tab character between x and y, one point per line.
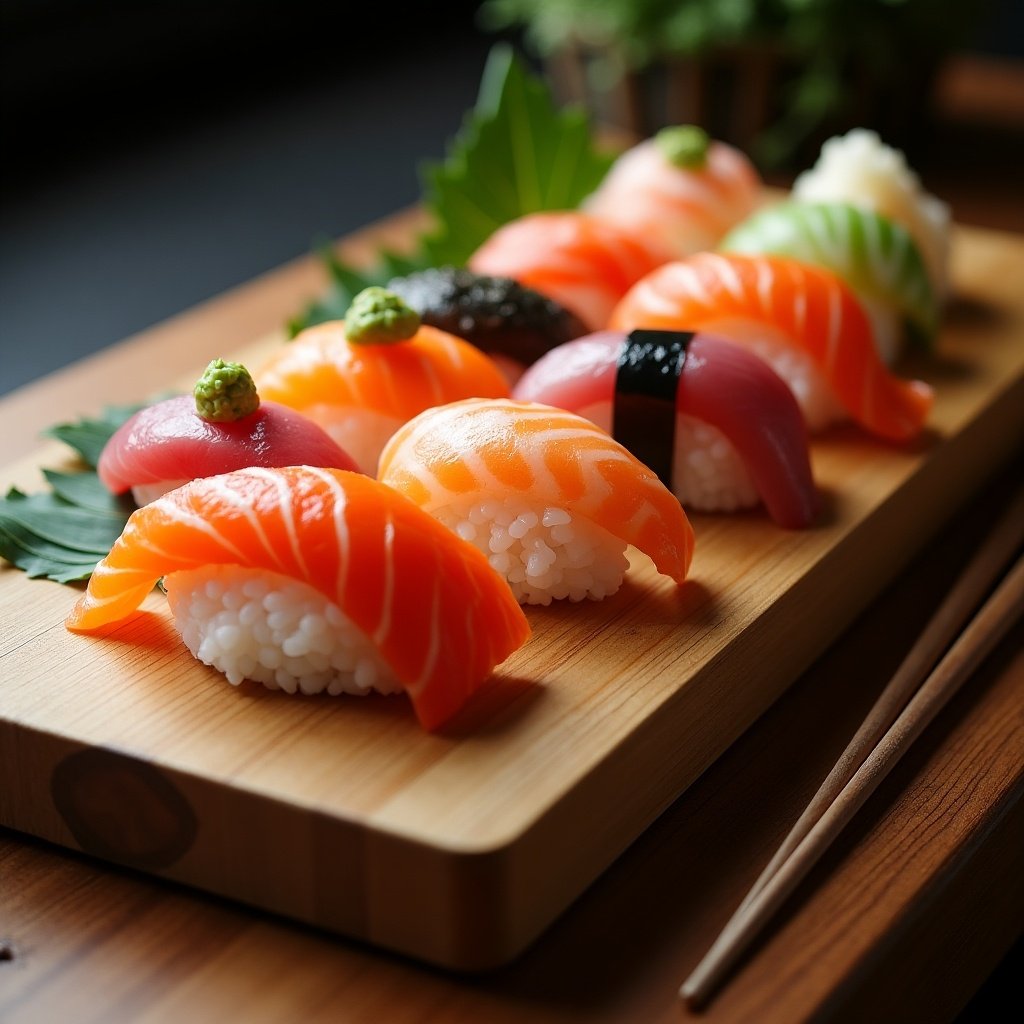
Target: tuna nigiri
681	188
874	255
314	580
725	428
546	494
801	319
222	426
362	378
584	263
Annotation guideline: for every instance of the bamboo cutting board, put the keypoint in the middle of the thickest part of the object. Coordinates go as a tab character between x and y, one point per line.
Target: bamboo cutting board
459	848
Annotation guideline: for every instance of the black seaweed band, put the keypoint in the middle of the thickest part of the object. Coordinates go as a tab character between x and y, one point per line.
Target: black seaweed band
644	409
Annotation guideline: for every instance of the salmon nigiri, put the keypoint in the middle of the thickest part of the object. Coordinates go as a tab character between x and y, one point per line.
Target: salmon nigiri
313	580
363	377
582	262
546	494
801	319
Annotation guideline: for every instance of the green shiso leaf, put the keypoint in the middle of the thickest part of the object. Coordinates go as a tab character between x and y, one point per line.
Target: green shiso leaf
39	557
60	523
88	436
61	534
86	491
515	153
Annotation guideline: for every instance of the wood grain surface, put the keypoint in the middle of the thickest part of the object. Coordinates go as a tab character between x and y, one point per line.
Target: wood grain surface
460	848
902	921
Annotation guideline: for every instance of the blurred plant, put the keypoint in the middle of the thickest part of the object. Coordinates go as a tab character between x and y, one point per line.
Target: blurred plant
835	51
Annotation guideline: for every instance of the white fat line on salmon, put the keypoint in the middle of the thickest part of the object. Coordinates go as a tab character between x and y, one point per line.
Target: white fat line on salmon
765	278
231	497
308	360
144	543
384	626
800	307
688	280
192	521
452	350
430	662
341	530
726	273
645	513
94	602
472	607
284	500
713	206
434	382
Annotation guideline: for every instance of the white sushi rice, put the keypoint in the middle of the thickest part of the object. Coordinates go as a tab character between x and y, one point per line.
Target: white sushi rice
545	553
143	494
859	168
708	474
275	630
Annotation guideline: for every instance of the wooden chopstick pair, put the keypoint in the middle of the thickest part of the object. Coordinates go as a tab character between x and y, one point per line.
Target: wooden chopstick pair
898	717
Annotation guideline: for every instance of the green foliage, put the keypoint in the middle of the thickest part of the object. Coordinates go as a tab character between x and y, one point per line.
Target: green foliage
823	39
515	153
61	534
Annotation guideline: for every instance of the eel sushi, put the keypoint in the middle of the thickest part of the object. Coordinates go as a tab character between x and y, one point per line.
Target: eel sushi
220	427
582	262
680	188
548	496
719	427
874	255
313	580
801	319
361	378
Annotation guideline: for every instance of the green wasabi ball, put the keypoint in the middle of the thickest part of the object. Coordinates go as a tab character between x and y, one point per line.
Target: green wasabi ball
684	145
379	317
225	392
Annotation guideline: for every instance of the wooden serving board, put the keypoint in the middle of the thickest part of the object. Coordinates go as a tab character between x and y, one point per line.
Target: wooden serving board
460	847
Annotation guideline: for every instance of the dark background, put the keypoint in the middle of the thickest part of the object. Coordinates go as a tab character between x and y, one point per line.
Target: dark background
158	153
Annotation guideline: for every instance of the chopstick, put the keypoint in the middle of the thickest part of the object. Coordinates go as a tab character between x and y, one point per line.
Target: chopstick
894	722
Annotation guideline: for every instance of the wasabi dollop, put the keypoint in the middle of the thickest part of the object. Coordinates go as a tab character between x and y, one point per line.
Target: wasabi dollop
225	392
684	145
380	317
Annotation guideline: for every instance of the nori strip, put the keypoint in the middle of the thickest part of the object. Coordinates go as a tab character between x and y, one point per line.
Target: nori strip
644	409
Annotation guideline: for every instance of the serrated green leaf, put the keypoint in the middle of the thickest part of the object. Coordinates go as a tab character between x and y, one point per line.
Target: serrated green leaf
26	543
88	436
87	491
59	522
517	153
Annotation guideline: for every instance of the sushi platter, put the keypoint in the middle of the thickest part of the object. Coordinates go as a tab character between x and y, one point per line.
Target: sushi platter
462	845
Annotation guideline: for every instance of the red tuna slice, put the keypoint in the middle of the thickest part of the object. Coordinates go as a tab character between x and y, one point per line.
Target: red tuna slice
721	384
170	441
